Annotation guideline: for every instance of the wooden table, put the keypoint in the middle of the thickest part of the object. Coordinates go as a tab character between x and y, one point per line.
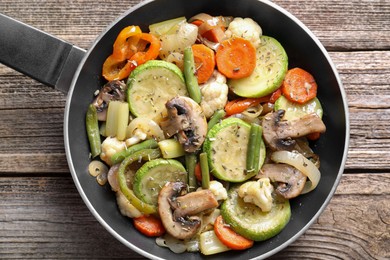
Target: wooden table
42	214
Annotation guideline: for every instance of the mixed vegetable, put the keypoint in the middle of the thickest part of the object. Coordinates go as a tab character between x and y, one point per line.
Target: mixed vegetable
203	132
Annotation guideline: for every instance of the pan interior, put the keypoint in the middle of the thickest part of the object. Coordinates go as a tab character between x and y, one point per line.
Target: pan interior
302	50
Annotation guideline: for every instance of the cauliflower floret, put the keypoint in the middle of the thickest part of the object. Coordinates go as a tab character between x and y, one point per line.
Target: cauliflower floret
258	192
214	93
137	137
218	190
110	146
125	207
245	28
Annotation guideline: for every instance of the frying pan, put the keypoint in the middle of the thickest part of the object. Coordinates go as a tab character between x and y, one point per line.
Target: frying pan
78	72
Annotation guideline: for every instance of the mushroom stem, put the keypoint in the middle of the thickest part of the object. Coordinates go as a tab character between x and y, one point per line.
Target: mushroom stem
178	213
279	134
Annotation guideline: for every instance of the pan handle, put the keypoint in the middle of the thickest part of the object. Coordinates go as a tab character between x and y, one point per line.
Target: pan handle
37	54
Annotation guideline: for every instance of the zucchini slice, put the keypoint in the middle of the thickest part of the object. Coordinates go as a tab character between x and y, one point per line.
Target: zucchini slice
250	221
151	85
294	110
226	146
153	175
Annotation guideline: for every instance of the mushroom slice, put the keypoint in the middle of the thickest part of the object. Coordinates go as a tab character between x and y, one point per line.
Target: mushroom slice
291	180
187	121
177	212
112	90
279	134
193	203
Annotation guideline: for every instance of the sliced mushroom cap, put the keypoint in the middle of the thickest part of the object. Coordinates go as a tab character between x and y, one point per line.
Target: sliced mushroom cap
112	90
187	121
291	180
279	134
178	213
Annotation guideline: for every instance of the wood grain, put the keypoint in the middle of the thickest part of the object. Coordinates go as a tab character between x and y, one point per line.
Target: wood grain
45	215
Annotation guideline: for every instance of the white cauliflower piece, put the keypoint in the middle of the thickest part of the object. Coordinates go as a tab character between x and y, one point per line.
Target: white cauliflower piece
214	94
245	28
137	137
258	193
218	190
110	146
125	207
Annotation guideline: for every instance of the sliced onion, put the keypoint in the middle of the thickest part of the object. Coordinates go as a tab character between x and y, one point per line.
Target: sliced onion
201	16
253	112
301	163
212	21
112	177
247	119
177	59
96	167
185	36
175	245
193	244
160	241
209	220
210	44
102	178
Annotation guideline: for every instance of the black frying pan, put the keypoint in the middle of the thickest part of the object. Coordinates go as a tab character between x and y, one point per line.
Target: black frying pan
70	69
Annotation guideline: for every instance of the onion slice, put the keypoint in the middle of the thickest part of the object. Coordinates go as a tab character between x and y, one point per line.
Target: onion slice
301	163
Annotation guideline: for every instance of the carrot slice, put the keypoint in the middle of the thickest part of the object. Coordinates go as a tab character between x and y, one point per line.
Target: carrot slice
236	58
214	35
198	172
240	105
204	62
299	86
313	136
229	237
150	226
275	95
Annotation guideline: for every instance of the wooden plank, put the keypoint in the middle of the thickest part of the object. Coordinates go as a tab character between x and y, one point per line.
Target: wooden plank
345	25
44	217
340	25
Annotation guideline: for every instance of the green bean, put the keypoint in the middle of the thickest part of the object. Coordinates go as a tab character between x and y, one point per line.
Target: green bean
190	165
253	151
215	118
145	154
93	133
189	74
120	156
257	150
204	166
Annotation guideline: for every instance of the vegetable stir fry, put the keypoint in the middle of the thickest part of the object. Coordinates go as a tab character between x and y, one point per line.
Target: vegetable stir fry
203	132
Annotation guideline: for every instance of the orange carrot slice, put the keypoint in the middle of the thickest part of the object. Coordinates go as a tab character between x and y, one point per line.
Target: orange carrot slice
150	226
236	58
237	106
229	237
299	86
204	62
